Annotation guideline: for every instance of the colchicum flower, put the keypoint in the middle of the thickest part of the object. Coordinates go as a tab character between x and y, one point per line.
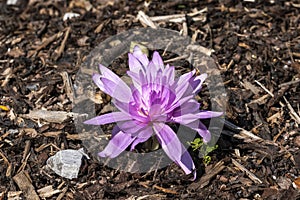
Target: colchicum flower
156	97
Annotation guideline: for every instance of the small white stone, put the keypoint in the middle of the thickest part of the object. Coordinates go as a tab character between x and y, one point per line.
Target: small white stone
70	15
66	163
11	2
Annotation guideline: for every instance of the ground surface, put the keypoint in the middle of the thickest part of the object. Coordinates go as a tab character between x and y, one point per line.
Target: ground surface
253	42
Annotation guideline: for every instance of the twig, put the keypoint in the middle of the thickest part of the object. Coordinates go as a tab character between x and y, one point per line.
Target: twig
24	163
168	45
184	29
289	83
26	149
46	42
293	112
240	130
264	88
9	168
145	20
178	17
63	44
165	190
279	134
177	58
259	100
249	174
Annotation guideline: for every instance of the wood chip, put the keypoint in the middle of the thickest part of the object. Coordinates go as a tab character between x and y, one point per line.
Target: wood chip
249	174
24	183
204	180
62	194
68	85
165	190
145	20
274	117
200	49
47	191
49	116
8	74
13	195
250	86
261	100
297	182
184	29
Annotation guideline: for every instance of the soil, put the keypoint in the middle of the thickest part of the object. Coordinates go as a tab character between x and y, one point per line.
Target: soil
256	48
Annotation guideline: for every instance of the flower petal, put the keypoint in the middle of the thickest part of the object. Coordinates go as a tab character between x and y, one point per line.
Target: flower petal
196	83
112	85
108	118
179	102
137	52
142	136
182	85
131	127
173	147
169	73
151	72
135	77
191	106
185	119
208	114
201	129
134	64
184	79
117	144
157	60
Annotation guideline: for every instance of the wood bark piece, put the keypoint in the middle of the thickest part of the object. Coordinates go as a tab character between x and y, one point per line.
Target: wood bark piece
47	191
68	85
250	86
49	116
25	185
204	180
249	174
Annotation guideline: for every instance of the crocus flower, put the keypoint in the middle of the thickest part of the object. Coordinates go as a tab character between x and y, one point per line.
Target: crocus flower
156	97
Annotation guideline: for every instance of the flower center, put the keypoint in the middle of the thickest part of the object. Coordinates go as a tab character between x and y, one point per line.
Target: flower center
151	103
143	111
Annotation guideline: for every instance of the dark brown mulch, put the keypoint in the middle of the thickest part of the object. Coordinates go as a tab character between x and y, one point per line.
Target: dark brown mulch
253	41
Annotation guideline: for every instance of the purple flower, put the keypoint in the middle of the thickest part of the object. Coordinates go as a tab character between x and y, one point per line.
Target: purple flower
156	97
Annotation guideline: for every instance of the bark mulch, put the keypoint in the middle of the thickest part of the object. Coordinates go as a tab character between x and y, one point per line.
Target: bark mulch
256	47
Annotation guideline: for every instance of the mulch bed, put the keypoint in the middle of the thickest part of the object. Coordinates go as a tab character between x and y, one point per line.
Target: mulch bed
256	48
